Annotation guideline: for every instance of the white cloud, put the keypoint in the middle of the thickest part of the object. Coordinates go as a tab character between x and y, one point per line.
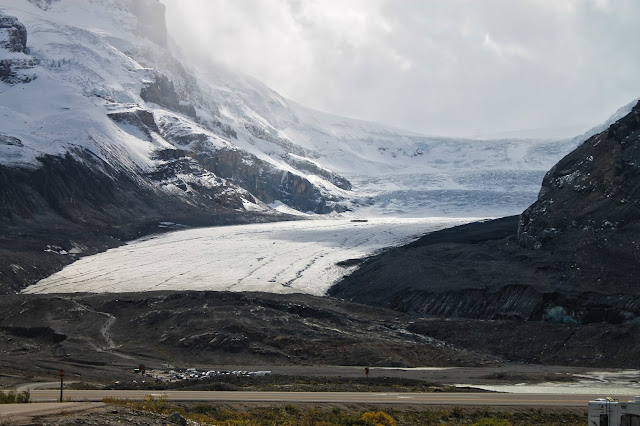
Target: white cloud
452	67
504	50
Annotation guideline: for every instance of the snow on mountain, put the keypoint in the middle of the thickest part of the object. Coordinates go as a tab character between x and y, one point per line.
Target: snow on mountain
103	80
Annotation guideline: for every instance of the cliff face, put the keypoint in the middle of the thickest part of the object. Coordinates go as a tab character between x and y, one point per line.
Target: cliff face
591	194
13	35
572	257
13	38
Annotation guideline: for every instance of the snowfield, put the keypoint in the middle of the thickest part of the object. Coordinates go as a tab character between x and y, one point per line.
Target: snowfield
284	257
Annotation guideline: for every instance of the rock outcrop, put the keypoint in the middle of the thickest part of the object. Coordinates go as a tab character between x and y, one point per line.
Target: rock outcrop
591	195
267	182
13	38
163	93
13	35
78	205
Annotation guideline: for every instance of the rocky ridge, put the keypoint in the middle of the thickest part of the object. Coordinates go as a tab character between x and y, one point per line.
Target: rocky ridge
570	258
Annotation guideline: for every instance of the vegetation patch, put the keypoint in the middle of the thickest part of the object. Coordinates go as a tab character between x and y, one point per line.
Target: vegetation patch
282	383
291	414
13	397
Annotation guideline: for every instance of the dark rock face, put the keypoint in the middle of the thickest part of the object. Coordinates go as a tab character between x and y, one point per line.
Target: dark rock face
286	144
79	205
300	159
13	35
591	193
267	182
163	93
260	178
311	168
142	119
572	257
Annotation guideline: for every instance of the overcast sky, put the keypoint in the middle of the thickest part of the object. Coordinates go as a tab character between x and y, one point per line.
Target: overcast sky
438	67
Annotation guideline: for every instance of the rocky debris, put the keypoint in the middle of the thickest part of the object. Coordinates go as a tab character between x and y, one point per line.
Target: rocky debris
222	328
572	257
540	342
46	334
13	34
259	329
163	93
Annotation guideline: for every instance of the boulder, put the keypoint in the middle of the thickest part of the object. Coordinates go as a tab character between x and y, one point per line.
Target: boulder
177	419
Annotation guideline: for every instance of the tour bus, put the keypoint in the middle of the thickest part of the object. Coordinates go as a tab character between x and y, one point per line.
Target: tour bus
611	412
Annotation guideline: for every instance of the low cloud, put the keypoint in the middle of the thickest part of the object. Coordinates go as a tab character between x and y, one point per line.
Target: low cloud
447	67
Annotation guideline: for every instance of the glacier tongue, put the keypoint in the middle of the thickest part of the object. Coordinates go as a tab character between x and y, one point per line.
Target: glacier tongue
285	257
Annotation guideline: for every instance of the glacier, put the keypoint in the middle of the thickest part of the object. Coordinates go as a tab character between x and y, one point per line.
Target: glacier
283	257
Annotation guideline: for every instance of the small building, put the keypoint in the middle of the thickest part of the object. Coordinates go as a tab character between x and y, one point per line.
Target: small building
611	412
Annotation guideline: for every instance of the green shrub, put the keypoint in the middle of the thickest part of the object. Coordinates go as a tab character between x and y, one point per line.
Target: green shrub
492	421
457	412
13	397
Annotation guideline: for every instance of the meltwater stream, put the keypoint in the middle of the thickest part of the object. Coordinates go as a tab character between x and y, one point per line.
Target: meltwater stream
605	383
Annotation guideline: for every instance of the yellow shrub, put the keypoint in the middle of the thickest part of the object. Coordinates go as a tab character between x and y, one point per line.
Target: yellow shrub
378	419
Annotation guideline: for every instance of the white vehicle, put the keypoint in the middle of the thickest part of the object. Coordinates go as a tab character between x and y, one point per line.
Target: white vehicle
611	412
